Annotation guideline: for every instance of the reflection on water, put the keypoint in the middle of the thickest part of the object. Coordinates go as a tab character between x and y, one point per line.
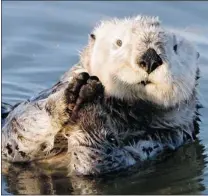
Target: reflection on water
180	174
40	41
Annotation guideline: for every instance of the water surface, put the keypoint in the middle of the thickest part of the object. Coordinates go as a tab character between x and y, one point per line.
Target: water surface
40	41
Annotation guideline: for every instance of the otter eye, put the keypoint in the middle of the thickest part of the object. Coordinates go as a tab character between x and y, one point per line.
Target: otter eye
92	36
175	48
119	43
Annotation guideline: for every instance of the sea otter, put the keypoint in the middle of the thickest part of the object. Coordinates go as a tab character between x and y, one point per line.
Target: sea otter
132	97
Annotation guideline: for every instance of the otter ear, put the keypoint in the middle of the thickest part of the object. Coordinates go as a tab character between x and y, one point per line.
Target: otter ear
198	55
92	36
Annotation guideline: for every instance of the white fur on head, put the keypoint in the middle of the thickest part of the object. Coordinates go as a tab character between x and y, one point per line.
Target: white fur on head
117	68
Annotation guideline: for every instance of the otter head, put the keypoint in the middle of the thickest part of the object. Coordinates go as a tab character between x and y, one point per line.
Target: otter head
137	58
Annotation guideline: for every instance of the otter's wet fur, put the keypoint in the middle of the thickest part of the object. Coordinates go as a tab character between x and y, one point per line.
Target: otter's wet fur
132	113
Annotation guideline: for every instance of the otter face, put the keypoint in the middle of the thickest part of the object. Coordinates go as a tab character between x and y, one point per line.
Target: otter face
138	59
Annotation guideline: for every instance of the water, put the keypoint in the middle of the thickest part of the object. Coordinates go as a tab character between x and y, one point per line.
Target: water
40	41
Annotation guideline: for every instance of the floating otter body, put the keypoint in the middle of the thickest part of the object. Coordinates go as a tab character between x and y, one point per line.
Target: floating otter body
143	103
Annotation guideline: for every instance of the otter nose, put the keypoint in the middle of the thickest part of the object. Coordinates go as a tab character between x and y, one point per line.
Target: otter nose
150	60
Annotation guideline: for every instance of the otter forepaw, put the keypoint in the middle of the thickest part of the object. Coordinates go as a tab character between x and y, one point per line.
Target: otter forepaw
83	89
73	89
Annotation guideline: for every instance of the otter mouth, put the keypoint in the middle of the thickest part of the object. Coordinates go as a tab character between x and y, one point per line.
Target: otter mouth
144	83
